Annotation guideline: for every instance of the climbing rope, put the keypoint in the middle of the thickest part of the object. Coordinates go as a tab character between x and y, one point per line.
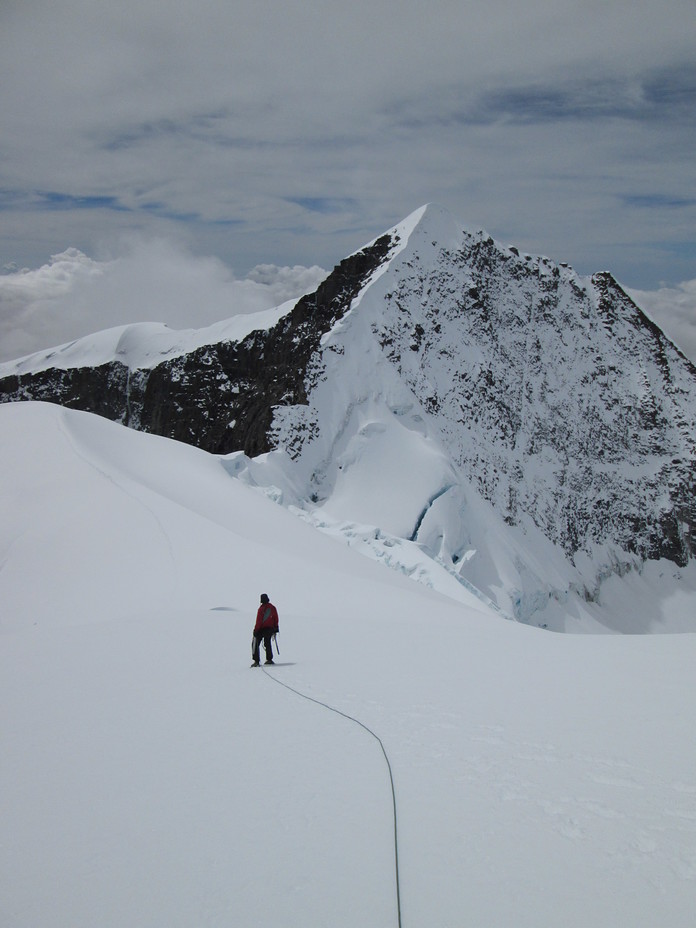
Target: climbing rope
391	778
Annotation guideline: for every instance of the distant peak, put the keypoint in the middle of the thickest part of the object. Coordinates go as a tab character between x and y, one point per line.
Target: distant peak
431	222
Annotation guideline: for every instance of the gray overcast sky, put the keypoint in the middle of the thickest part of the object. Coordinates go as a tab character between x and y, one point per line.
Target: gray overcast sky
259	131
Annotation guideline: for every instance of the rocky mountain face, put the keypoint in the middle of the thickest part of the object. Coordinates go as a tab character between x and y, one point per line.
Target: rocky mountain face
550	396
557	396
219	397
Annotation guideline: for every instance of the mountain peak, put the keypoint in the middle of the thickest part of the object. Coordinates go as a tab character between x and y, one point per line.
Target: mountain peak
524	426
430	222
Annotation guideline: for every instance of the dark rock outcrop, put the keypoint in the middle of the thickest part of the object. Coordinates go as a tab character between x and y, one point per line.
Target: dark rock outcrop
220	397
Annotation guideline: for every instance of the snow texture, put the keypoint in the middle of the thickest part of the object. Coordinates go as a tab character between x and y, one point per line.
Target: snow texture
150	778
529	428
475	418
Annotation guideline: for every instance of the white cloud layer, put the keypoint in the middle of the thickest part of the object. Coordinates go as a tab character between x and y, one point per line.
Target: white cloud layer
153	280
674	310
292	132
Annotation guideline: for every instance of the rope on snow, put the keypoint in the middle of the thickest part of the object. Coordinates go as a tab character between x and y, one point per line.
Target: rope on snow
391	777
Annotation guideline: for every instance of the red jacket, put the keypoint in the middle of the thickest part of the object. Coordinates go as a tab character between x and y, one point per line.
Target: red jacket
266	618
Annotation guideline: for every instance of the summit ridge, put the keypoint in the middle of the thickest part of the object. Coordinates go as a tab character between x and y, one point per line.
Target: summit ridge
530	429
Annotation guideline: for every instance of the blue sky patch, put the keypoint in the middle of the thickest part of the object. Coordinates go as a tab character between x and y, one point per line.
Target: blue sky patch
657	201
324	205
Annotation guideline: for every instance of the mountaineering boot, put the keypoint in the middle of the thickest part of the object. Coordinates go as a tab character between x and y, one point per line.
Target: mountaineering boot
268	662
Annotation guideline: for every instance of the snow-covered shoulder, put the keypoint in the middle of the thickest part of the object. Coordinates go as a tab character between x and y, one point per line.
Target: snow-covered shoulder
143	344
429	223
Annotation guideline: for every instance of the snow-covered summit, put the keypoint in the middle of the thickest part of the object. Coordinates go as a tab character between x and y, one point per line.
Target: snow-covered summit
502	412
430	223
528	428
432	228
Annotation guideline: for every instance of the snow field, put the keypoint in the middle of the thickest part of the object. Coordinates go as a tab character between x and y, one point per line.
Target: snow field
149	777
163	787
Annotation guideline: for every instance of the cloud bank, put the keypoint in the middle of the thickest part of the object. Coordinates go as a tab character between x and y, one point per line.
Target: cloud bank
152	280
294	131
674	310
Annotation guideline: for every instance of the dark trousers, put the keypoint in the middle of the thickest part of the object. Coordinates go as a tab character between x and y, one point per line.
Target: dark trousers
266	635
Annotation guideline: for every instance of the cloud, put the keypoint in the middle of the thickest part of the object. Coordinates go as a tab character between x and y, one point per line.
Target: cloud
151	280
660	96
674	310
285	283
292	133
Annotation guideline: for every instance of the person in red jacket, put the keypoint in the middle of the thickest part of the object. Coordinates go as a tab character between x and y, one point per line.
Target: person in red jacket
266	627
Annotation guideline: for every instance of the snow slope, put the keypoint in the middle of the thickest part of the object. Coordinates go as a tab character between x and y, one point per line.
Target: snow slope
150	778
483	427
142	344
473	417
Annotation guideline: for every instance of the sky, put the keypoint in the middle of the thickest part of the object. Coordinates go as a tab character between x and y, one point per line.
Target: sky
285	135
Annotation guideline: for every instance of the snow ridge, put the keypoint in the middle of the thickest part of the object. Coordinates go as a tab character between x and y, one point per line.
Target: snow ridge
510	378
529	431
